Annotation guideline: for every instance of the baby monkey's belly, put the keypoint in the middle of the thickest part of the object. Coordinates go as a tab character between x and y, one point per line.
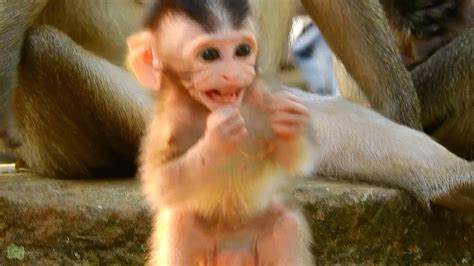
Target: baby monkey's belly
244	245
237	249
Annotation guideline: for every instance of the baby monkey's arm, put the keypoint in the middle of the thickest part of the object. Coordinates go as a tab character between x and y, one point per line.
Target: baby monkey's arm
289	118
179	178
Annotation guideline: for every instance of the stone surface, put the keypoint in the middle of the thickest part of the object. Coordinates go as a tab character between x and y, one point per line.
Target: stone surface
49	222
61	222
5	158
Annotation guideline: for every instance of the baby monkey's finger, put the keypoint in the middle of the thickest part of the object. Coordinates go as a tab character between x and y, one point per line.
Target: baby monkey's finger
236	119
289	106
288	118
289	96
238	134
287	130
236	124
231	117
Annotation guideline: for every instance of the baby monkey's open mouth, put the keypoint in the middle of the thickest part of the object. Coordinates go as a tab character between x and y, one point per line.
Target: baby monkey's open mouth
224	97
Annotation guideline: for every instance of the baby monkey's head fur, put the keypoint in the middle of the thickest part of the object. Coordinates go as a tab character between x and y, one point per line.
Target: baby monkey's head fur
210	14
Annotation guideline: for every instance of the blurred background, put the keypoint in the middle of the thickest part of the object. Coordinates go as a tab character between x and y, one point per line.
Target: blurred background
309	62
307	66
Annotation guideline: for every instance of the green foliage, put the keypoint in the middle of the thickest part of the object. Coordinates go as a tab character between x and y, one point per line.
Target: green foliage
15	252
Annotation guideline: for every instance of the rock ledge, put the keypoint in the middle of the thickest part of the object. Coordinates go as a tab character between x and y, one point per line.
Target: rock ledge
49	222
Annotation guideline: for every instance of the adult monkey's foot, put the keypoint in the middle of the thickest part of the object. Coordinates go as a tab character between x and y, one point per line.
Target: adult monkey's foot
460	196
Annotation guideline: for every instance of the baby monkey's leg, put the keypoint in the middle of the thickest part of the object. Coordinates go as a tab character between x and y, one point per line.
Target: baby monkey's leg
285	239
178	239
237	250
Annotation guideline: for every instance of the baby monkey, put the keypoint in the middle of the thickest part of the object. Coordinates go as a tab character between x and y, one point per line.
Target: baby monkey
220	151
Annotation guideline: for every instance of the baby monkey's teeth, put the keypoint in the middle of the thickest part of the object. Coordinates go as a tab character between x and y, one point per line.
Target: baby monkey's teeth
228	97
215	96
218	97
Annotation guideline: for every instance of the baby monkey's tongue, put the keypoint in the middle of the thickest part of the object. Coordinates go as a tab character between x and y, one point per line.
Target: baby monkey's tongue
220	98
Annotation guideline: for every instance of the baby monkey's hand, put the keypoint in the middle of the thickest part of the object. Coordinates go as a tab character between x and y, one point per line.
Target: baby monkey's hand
225	129
288	115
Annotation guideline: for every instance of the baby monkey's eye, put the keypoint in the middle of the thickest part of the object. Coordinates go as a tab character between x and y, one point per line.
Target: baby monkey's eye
243	50
210	54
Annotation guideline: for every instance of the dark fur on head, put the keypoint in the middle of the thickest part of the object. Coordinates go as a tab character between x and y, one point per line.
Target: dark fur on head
422	27
201	11
424	18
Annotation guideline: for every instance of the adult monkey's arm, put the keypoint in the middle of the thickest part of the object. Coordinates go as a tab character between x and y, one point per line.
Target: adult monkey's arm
358	33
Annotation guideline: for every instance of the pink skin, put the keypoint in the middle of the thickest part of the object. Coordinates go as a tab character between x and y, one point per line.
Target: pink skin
226	127
270	239
288	117
225	130
225	80
276	242
221	84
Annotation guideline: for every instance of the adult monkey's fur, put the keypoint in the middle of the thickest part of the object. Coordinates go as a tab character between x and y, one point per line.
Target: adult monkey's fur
343	22
435	39
79	115
275	43
78	112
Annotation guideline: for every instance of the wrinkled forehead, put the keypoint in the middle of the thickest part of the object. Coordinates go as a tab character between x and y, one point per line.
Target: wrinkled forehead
177	30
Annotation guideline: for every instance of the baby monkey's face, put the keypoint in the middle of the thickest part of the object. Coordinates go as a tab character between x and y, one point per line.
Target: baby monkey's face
217	67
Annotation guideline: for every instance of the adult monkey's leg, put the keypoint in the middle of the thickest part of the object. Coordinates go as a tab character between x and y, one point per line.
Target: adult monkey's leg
79	115
274	20
376	150
15	18
355	142
358	33
445	85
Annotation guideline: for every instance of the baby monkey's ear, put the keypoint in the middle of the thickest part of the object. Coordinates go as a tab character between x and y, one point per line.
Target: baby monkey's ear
143	60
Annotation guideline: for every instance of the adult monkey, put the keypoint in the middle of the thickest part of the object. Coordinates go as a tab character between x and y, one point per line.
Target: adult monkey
93	129
67	158
435	40
350	26
76	111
